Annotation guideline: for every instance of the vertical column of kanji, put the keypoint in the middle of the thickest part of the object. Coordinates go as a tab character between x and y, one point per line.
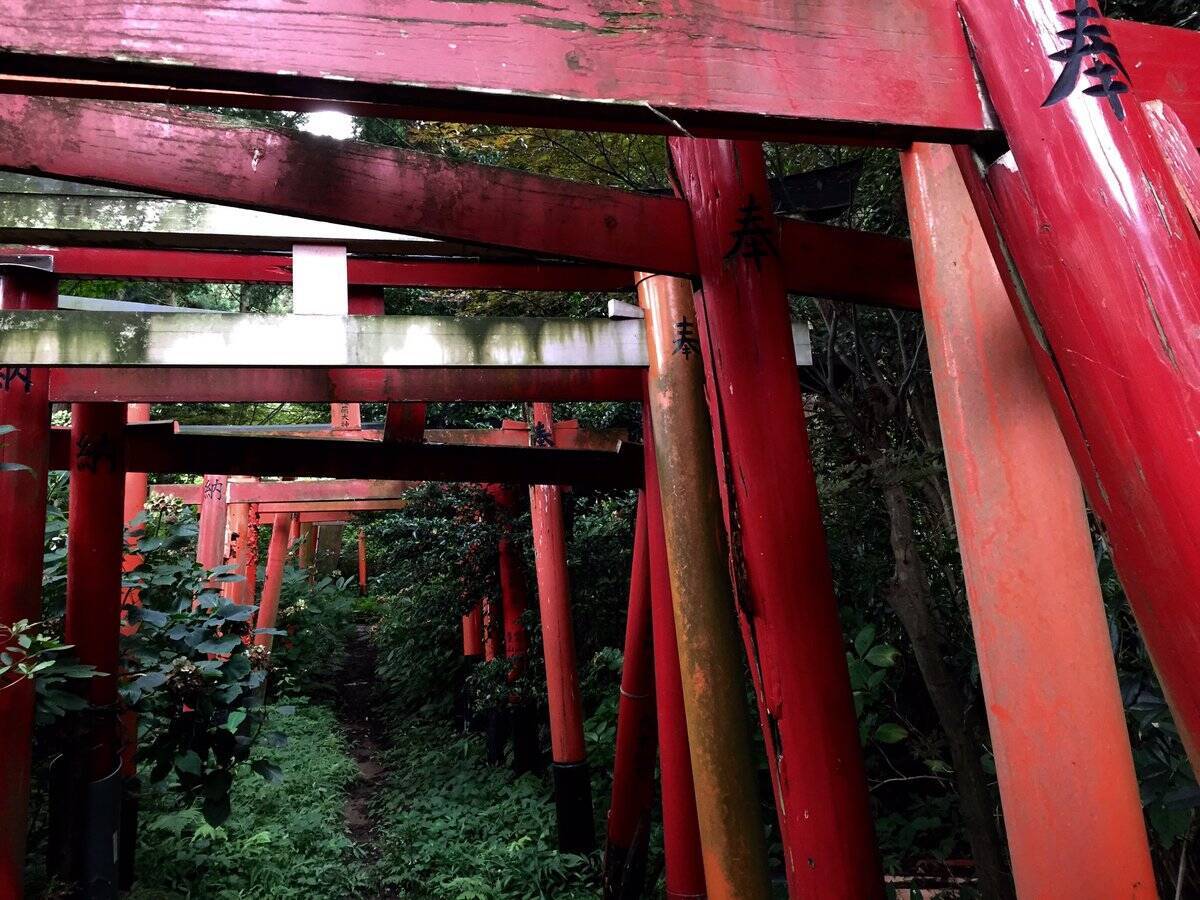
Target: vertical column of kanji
95	545
210	541
780	561
268	607
1102	258
710	660
24	459
572	782
1061	743
681	832
633	764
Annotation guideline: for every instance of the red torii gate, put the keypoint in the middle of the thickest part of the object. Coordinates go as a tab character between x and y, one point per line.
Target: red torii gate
1143	175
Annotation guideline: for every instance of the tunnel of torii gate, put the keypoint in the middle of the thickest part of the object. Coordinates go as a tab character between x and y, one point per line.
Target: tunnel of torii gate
1053	189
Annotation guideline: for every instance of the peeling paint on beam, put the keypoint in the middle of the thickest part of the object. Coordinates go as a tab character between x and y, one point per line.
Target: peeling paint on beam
49	338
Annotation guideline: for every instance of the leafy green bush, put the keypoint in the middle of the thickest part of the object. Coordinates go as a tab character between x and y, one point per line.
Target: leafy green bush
282	840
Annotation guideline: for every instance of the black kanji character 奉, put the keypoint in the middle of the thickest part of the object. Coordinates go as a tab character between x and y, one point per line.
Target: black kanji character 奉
686	341
1089	39
91	450
541	436
9	374
752	239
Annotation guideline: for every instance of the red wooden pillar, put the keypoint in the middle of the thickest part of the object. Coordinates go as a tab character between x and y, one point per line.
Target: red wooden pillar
681	831
210	542
24	405
514	593
572	781
1102	258
253	523
95	545
308	545
783	579
294	536
473	631
633	765
362	562
268	608
1071	806
237	525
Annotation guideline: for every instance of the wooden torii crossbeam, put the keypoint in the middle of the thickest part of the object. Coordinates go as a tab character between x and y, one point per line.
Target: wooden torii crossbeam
814	68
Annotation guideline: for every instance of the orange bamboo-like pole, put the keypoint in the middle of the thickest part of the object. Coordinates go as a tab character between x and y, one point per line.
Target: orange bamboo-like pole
1071	807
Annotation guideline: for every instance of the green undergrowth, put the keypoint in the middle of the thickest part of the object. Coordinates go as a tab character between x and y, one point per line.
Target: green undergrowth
283	840
453	828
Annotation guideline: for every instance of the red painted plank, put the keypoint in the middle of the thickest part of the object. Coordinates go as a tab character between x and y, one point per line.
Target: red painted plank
251	385
270	493
337	510
198	156
900	67
206	266
201	157
746	69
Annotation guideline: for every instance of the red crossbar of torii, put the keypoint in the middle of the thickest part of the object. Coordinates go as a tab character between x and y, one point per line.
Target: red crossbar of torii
1124	233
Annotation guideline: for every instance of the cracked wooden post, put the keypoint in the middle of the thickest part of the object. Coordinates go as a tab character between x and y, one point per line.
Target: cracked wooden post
237	531
681	831
633	764
780	561
1100	248
277	550
24	460
731	828
1072	811
572	778
89	774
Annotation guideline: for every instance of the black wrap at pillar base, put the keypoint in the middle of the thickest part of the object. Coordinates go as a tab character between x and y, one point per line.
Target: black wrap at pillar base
573	805
625	867
496	735
526	751
85	823
127	848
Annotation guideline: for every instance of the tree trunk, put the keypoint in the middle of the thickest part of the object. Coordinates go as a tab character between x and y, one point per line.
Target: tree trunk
909	597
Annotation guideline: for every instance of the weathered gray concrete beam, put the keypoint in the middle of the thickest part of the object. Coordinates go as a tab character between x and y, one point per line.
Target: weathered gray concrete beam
72	338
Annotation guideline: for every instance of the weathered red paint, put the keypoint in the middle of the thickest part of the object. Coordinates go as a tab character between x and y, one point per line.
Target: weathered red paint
95	530
1107	289
779	559
237	523
196	155
493	630
1061	744
317	385
210	542
277	550
334	491
473	631
405	423
514	590
308	544
330	511
681	832
800	71
128	264
554	596
633	763
24	406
